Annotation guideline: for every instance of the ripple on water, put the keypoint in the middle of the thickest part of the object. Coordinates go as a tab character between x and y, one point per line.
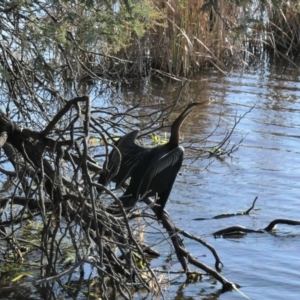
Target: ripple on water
266	165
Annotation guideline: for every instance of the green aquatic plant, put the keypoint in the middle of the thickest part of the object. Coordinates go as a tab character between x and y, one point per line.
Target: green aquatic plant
158	140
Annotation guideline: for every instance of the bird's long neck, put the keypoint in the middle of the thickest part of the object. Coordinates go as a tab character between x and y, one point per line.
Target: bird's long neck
175	128
174	138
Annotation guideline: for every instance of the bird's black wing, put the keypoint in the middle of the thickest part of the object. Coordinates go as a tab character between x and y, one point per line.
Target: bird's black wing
126	146
117	168
131	153
169	165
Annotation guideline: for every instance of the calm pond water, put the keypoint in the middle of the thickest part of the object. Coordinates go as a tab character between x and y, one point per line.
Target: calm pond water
266	266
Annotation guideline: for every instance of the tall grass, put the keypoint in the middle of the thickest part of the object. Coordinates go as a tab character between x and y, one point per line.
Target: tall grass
284	24
190	38
223	34
196	35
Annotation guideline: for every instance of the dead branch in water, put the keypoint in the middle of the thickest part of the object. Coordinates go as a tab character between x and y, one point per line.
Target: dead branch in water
53	184
247	212
240	230
232	230
184	255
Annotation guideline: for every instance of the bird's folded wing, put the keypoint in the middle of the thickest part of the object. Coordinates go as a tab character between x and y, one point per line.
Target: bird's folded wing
159	165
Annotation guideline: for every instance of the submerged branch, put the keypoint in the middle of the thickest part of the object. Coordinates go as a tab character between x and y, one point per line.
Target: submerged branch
184	255
247	212
218	263
232	230
271	226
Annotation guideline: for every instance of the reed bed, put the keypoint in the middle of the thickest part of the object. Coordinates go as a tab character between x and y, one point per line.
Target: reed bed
191	38
284	24
173	37
194	34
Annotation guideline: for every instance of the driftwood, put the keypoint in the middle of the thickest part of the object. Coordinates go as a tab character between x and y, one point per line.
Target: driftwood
240	230
247	212
38	159
232	230
41	158
184	255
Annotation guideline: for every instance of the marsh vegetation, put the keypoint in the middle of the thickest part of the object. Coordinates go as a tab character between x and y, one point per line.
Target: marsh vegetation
64	66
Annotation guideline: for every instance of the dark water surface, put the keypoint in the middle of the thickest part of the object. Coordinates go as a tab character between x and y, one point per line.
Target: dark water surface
267	266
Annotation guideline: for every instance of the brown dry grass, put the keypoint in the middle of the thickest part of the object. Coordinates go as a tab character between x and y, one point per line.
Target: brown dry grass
225	36
193	38
284	25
